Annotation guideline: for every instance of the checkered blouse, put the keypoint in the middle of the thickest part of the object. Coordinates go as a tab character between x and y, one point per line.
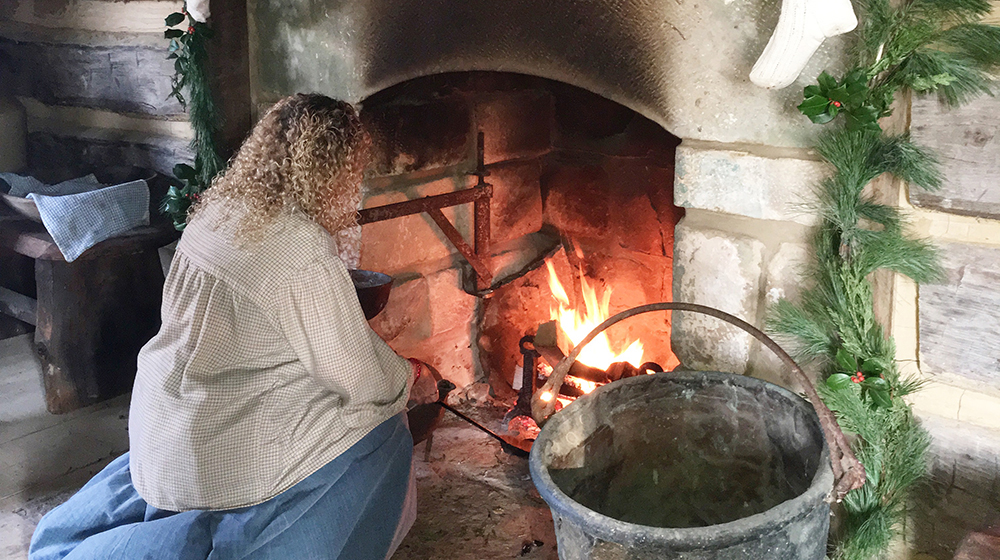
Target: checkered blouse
264	369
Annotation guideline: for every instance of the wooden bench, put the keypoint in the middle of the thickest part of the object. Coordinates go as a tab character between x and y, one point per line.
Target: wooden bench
92	315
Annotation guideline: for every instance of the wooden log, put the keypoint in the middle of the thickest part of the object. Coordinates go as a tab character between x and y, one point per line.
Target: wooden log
966	140
56	157
93	317
130	78
17	273
553	356
18	306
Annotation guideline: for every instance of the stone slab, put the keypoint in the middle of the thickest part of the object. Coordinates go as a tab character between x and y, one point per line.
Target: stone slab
136	16
610	200
966	140
684	65
784	280
514	124
405	321
516	207
720	270
738	182
418	135
398	244
959	334
126	78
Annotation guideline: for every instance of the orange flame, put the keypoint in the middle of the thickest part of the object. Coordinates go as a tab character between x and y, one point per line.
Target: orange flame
577	325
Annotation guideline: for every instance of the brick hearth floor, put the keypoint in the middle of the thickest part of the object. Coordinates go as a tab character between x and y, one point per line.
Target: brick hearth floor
475	502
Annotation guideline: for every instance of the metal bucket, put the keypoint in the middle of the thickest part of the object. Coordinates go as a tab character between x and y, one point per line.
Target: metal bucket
686	465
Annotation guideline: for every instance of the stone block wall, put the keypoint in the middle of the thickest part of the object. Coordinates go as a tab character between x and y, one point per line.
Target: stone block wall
741	247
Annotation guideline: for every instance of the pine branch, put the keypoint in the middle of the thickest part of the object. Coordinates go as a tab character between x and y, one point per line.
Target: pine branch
950	10
914	258
977	41
954	76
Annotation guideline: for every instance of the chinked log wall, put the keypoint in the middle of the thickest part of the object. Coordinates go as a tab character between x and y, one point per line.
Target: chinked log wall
93	78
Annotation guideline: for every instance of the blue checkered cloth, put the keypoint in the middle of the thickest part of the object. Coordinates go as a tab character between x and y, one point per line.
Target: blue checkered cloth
23	185
81	213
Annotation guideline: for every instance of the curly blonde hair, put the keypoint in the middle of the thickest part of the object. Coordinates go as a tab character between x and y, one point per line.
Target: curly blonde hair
307	153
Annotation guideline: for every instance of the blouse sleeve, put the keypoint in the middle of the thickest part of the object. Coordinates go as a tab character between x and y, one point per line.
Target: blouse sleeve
322	320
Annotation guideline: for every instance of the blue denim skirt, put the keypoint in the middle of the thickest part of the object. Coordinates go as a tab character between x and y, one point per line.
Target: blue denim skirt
348	509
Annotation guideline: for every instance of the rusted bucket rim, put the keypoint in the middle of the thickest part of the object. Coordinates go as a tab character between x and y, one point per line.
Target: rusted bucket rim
691	538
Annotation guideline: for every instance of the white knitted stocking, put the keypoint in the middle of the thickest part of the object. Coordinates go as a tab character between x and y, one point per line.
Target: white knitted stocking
199	10
802	27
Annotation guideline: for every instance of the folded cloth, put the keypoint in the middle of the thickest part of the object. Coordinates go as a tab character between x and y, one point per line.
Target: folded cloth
79	221
23	185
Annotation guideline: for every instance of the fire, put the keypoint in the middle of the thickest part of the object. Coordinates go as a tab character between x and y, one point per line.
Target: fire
577	325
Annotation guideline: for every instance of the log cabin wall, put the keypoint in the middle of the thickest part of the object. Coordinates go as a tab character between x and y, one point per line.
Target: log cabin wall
93	78
948	333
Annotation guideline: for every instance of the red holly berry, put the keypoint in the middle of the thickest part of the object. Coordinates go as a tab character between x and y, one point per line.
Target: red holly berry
858	377
191	30
836	103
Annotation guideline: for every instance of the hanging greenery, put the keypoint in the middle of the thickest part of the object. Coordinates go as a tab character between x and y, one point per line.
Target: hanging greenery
923	46
187	50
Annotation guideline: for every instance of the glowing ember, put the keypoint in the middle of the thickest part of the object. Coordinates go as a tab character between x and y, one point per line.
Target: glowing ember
577	325
545	396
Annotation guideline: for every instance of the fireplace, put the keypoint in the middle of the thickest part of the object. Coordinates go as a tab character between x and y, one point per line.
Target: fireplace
626	132
582	208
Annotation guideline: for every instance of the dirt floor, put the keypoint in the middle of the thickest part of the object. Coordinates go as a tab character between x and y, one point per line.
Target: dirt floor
475	502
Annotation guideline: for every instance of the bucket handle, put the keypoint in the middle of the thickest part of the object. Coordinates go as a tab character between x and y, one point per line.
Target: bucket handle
849	473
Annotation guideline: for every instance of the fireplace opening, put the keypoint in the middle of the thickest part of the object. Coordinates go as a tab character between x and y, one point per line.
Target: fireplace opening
581	226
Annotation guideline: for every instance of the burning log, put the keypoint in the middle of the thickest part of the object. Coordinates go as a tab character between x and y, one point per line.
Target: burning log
549	342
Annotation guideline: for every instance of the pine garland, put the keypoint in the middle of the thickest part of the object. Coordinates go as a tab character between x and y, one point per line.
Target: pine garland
924	46
187	50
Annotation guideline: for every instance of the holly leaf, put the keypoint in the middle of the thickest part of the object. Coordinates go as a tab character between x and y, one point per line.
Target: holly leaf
172	33
876	384
183	172
846	361
881	398
814	105
863	118
174	19
838	381
856	76
826	82
838	94
811	91
822	118
872	366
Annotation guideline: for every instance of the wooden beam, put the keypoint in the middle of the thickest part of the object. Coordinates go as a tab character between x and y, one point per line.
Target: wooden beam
18	306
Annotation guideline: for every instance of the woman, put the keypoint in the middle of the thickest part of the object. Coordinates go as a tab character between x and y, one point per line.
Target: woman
266	417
